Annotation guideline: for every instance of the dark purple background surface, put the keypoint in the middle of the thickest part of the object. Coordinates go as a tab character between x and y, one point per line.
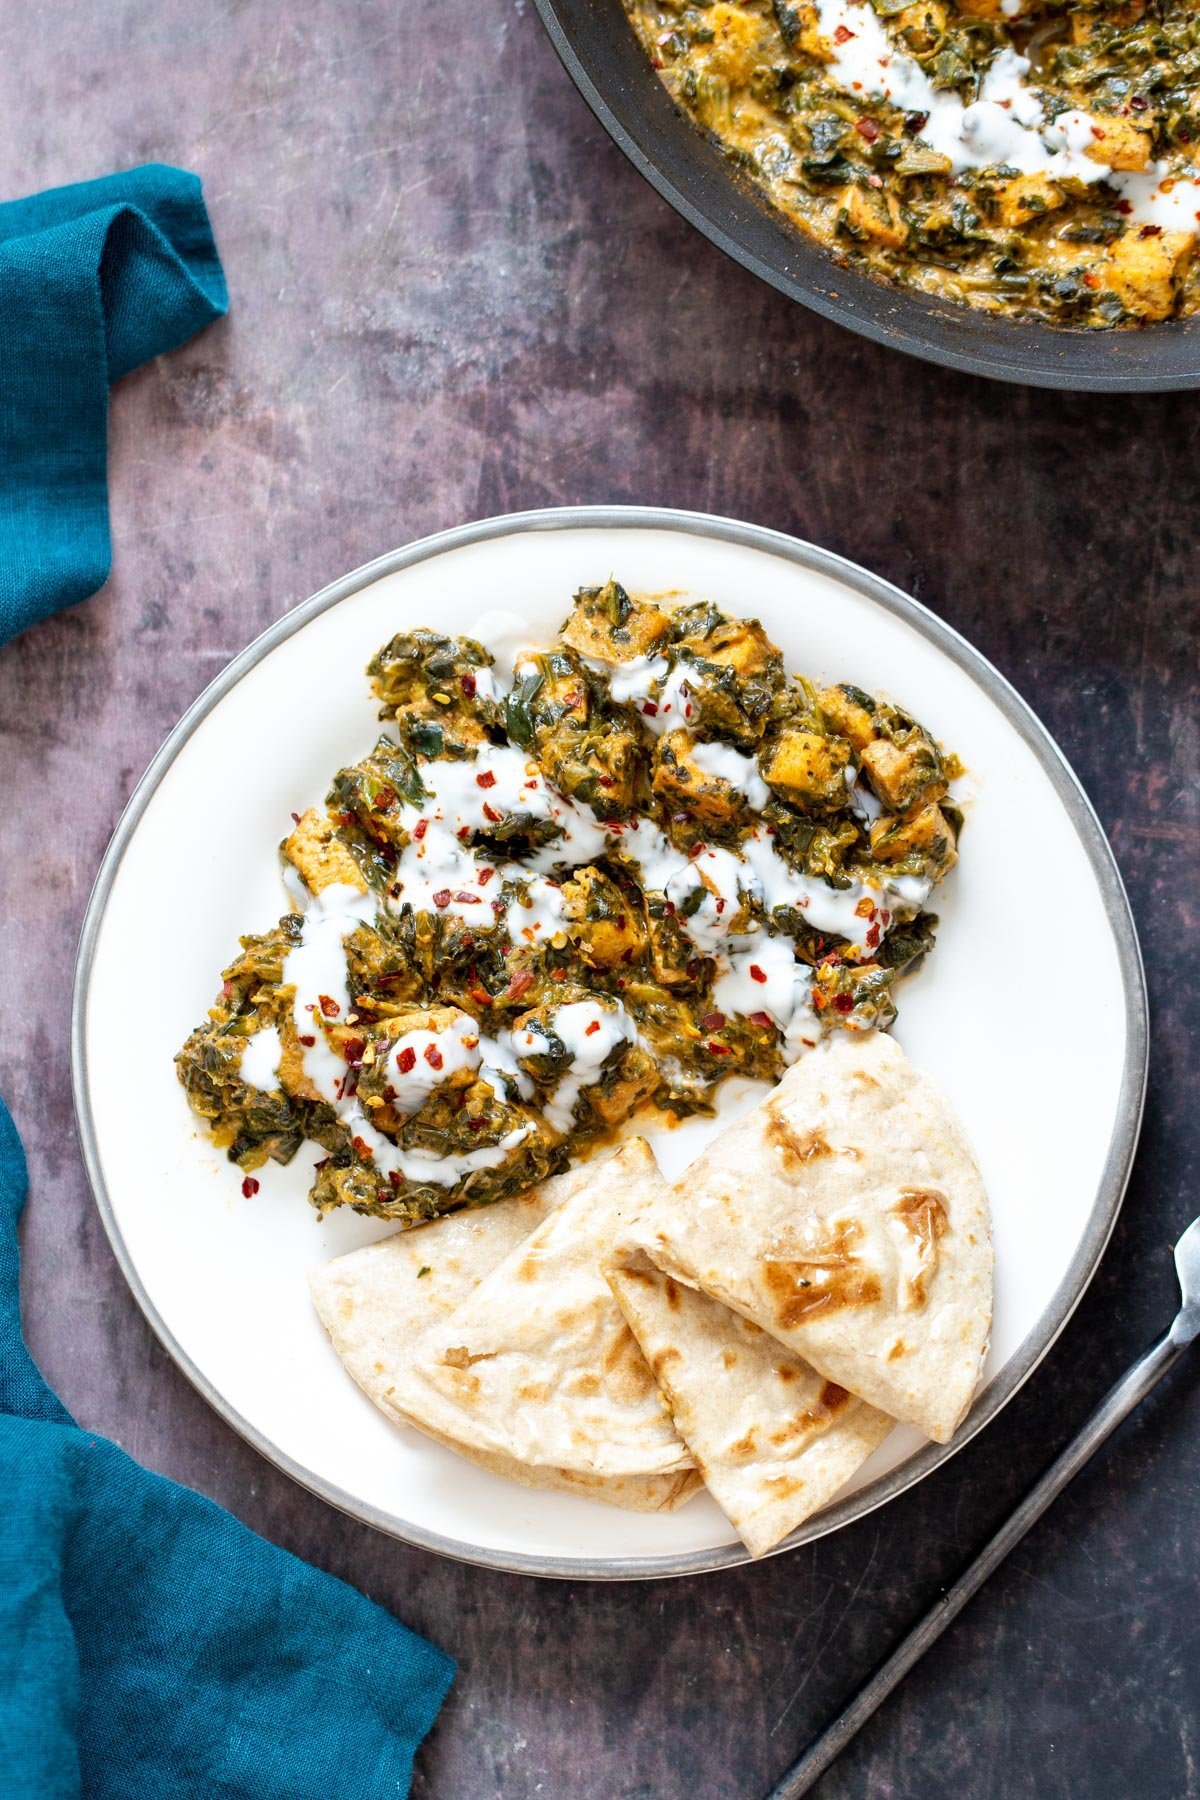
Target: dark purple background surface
452	297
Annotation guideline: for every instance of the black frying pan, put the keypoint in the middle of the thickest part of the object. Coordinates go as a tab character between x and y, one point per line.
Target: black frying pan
613	73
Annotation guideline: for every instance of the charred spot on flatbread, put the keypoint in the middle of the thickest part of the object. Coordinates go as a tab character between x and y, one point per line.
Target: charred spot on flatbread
825	1278
794	1146
815	1418
921	1213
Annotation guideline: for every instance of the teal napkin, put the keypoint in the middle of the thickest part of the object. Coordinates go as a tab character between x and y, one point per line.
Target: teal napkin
94	279
152	1647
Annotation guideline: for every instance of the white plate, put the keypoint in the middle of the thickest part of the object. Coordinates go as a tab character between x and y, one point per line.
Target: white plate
1031	1013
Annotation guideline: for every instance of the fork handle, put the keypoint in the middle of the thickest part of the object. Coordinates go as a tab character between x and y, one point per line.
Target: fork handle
1120	1401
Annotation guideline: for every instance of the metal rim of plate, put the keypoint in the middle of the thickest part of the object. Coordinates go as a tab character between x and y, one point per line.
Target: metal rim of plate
1122	1143
687	166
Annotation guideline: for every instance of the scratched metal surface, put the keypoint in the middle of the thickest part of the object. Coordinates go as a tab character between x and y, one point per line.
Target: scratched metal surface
452	297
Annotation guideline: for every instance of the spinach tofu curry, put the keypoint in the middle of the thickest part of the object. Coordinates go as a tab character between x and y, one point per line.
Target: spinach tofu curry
1034	158
597	876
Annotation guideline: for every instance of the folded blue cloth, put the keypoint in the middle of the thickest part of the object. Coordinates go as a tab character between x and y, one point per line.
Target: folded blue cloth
152	1647
94	279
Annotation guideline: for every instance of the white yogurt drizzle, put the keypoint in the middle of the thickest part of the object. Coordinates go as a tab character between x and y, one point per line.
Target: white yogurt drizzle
728	764
658	690
316	967
259	1066
769	978
591	1033
1007	126
419	1061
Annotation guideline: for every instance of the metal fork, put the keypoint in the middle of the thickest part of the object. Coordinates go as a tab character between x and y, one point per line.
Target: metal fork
1132	1388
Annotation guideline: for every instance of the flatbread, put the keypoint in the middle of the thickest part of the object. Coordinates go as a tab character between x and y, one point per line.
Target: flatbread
773	1440
538	1363
846	1216
376	1304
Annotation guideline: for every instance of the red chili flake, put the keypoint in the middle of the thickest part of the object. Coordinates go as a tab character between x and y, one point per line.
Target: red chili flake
499	908
573	698
650	709
406	1060
352	1050
295	818
1150	231
226	989
442	897
872	937
844	1002
594	1026
606	781
420	828
719	1049
490	813
720	907
558	974
329	1007
480	996
467	684
389	1092
874	181
867	128
520	984
1138	102
713	1021
307	1041
466	898
915	123
434	1057
249	1187
756	973
1124	206
385	798
486	780
463	833
363	1148
843	35
763	1020
669	908
394	1178
346	819
485	875
475	1124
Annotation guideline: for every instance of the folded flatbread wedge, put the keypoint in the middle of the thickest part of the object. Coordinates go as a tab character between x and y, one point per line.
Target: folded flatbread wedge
377	1303
846	1216
773	1440
537	1362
